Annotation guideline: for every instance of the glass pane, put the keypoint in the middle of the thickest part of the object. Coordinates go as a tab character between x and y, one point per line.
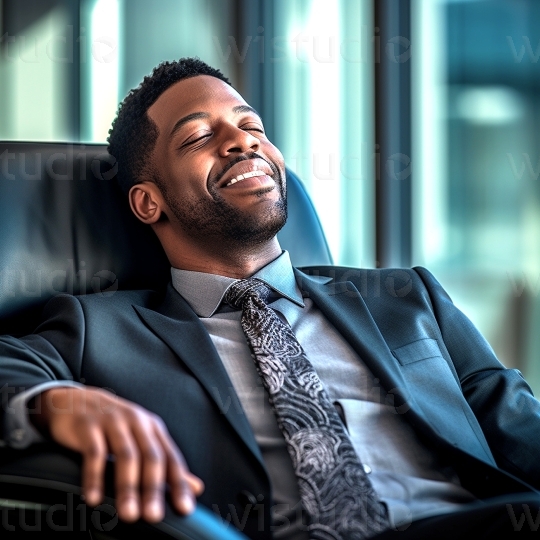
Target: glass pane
147	33
35	58
324	118
477	195
102	69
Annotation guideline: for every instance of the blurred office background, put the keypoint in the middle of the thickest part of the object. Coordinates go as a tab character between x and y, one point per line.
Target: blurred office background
411	122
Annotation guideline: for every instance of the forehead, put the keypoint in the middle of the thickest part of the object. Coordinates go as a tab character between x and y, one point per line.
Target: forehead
201	93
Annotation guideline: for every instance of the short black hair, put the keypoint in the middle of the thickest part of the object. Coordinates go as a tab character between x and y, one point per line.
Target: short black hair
133	134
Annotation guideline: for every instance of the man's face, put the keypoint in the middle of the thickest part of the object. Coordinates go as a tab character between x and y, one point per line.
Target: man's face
221	178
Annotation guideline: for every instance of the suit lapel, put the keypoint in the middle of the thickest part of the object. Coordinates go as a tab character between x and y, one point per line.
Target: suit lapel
179	327
345	308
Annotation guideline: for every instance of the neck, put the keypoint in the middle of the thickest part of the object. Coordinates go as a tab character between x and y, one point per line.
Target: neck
225	260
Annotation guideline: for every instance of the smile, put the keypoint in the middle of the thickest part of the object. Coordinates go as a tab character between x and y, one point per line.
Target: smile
241	177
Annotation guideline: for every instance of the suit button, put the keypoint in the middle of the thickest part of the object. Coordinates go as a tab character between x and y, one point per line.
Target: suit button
245	497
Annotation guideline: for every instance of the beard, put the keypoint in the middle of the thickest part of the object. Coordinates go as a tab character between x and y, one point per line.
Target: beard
227	226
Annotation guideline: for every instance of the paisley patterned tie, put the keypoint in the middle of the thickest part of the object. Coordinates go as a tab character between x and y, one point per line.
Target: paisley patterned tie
336	492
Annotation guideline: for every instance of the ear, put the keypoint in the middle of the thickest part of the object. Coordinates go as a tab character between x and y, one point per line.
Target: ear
146	202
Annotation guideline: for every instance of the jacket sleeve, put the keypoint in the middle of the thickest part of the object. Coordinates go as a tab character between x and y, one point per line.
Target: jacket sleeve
52	353
500	398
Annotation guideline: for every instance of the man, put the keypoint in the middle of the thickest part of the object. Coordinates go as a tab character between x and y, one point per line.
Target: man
435	429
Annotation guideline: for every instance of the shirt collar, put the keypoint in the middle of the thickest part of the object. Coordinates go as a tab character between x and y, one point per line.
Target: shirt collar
204	292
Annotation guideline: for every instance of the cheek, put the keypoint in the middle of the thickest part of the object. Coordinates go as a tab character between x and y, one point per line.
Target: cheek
198	169
189	176
277	156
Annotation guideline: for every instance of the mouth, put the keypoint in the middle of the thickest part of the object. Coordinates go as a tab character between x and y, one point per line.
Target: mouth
252	171
241	177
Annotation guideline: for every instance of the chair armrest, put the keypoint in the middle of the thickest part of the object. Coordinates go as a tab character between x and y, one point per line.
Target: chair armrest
40	491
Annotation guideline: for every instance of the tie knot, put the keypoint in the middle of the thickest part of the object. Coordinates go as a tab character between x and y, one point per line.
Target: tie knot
242	290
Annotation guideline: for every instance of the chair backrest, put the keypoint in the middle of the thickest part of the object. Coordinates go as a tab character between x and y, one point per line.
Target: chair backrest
65	226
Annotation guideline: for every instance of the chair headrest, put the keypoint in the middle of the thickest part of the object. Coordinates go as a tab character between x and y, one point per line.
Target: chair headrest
66	227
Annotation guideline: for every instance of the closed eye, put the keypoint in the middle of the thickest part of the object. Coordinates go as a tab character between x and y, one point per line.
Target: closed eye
252	127
196	139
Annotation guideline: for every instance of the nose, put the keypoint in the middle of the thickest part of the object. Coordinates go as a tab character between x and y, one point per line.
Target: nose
237	141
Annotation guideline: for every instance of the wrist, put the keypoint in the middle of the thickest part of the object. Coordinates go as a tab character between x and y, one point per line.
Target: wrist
41	407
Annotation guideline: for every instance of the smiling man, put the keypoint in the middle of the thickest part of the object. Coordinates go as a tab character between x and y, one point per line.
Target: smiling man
307	405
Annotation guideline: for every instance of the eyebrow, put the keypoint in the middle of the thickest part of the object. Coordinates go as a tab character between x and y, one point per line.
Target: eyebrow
198	115
245	109
185	120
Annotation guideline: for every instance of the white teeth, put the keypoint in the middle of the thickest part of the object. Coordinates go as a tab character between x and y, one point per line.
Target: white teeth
241	177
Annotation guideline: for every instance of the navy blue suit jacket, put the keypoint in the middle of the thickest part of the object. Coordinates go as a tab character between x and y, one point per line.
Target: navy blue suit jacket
436	370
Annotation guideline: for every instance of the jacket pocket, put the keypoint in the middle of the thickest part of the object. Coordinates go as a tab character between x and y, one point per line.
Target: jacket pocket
416	351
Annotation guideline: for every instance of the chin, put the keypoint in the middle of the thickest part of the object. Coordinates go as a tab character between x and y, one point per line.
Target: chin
254	231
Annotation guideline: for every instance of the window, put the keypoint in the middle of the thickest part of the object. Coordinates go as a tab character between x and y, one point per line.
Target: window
476	192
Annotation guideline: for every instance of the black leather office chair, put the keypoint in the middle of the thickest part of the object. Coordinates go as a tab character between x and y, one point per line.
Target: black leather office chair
65	226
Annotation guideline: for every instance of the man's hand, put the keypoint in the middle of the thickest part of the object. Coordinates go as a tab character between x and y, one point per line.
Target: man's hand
96	423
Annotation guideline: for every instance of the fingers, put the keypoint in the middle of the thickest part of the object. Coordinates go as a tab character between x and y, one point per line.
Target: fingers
97	423
146	459
127	467
195	483
153	467
94	459
184	485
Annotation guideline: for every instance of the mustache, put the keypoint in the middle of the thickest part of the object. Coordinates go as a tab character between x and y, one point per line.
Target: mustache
244	157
